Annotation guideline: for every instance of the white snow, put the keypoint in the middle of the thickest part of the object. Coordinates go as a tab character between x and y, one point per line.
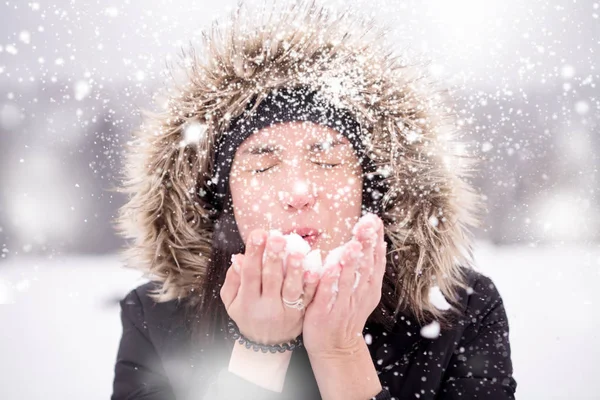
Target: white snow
313	262
82	90
333	258
356	280
10	49
567	71
434	221
67	323
25	37
582	107
6	293
436	297
431	331
294	244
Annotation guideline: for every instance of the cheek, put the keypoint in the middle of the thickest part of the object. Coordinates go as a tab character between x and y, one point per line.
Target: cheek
342	200
343	192
250	199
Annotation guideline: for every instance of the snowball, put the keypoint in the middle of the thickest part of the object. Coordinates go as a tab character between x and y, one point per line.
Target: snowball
437	298
294	243
313	262
431	331
333	258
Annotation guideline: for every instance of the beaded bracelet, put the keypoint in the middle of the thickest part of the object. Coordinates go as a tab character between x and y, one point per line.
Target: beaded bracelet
265	348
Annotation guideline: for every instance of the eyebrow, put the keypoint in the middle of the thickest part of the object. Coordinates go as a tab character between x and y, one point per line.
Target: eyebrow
260	149
268	149
320	145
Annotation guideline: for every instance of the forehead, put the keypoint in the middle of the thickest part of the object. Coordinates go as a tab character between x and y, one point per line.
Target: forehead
297	132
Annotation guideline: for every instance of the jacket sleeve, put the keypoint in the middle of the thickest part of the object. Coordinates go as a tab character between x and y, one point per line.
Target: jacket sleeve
139	374
481	367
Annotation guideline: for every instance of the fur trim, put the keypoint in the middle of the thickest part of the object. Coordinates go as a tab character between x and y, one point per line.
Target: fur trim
428	209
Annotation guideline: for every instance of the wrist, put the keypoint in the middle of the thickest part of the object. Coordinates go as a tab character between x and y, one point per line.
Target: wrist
346	373
267	370
340	354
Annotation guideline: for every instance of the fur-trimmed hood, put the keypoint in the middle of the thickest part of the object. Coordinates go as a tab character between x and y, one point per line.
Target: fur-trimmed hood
428	209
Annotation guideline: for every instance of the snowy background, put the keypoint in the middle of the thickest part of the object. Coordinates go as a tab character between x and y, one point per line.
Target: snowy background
74	75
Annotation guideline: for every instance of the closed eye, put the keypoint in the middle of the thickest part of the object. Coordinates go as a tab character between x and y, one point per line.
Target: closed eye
327	165
257	171
324	165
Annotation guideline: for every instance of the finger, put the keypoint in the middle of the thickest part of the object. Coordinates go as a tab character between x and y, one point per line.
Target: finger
380	256
379	240
251	270
326	292
272	270
365	234
352	252
366	227
294	278
230	287
237	260
380	266
311	280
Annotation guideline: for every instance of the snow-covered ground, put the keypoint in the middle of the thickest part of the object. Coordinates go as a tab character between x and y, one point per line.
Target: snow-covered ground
60	327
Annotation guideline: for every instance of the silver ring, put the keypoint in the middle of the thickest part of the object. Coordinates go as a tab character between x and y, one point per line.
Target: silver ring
297	304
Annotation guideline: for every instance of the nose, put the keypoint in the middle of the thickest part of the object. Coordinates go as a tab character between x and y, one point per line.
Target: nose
302	195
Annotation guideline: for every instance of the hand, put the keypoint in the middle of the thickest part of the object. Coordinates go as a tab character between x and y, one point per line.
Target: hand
253	298
334	322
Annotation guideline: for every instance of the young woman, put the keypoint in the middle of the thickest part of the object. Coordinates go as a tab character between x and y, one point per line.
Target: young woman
303	122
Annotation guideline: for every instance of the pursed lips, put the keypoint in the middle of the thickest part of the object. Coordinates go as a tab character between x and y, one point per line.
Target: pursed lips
309	234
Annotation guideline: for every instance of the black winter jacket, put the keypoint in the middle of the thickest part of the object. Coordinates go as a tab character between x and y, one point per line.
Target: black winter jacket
156	360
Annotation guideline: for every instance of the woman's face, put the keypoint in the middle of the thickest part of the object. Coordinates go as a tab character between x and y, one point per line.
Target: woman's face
297	175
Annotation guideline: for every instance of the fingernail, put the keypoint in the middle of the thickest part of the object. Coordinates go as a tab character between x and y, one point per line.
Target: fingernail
369	233
258	239
295	260
276	244
235	262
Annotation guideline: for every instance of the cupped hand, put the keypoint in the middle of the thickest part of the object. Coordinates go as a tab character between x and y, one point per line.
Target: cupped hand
253	297
334	322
